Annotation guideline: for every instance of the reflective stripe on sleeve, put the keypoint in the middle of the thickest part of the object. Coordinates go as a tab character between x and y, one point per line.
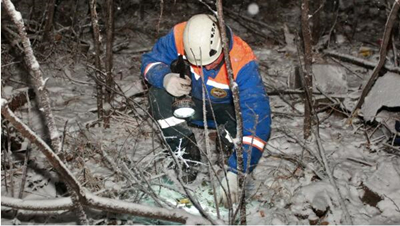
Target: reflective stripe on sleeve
148	67
255	142
169	122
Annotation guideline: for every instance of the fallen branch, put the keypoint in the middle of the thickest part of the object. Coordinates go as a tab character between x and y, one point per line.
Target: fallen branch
37	205
357	61
54	160
111	205
85	198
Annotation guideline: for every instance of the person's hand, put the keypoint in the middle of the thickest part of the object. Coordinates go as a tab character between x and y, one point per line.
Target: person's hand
231	179
177	86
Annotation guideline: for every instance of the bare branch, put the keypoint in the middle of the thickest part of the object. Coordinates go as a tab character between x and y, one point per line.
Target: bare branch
34	67
236	102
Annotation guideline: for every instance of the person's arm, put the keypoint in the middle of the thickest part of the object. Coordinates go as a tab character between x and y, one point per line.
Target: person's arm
156	63
256	114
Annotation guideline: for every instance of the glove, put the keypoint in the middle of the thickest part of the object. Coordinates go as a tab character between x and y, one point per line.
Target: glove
177	86
231	179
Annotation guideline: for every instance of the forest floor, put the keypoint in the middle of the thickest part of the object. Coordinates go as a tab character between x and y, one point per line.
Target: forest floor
289	185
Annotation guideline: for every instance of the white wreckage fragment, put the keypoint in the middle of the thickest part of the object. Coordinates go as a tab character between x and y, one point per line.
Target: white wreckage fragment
385	93
331	79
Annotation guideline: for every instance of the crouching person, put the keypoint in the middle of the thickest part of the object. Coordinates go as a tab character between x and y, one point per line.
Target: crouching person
198	42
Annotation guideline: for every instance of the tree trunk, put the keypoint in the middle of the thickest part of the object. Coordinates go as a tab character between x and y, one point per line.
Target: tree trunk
97	46
308	84
49	19
109	61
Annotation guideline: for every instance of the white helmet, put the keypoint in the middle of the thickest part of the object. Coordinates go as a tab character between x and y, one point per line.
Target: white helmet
202	40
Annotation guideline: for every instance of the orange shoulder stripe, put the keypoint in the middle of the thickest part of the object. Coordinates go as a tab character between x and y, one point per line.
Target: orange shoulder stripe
240	55
178	35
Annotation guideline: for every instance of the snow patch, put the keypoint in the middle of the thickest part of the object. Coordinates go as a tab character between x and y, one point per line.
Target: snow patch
35	65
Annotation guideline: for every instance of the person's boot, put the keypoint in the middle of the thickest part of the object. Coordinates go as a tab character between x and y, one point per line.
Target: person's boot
193	157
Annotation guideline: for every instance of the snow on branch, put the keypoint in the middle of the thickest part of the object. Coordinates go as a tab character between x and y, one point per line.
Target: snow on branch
37	205
119	206
107	204
86	198
54	160
34	67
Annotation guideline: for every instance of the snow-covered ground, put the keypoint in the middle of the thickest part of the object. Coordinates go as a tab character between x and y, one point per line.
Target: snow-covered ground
289	185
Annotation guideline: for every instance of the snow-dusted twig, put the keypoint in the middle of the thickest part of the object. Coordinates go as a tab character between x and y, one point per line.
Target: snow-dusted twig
333	26
360	161
207	141
149	190
338	103
68	75
299	160
236	102
392	147
302	143
395	60
289	104
346	67
24	173
347	217
382	55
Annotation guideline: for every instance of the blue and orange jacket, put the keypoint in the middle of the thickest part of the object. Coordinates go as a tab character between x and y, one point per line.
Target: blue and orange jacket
254	101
